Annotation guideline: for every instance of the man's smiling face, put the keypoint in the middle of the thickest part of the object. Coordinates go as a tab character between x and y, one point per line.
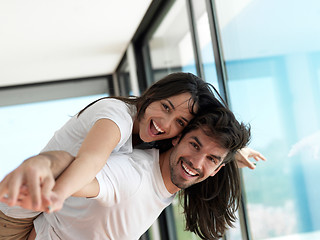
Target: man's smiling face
195	158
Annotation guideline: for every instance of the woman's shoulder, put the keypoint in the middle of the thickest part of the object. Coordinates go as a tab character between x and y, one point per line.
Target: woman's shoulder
112	104
111	100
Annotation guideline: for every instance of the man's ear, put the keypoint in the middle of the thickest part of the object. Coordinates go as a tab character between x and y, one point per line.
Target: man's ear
176	140
217	170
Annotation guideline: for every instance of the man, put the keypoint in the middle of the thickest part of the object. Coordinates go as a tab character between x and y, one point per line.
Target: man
131	191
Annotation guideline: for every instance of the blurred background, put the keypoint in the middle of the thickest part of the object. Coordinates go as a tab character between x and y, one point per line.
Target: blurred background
262	55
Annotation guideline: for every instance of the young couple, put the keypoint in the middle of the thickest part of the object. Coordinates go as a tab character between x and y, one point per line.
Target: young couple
125	195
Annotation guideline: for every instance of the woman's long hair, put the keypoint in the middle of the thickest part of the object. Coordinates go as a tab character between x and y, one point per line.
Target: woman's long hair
210	206
171	85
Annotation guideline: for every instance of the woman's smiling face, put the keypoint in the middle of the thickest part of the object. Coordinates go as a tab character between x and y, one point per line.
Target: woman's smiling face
165	118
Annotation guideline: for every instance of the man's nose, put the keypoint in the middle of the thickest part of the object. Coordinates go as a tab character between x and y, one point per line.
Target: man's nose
198	160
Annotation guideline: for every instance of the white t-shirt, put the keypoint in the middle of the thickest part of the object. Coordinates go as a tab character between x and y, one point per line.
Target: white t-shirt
132	196
71	135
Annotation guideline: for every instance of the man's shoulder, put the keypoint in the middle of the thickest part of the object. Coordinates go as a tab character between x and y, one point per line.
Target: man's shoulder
145	156
133	165
119	179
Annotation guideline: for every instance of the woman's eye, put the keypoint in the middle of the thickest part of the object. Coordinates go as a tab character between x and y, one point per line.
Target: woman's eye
180	122
166	107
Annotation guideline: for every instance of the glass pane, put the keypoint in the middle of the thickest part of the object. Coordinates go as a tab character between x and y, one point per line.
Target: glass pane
170	46
124	79
273	68
205	42
234	233
180	222
26	128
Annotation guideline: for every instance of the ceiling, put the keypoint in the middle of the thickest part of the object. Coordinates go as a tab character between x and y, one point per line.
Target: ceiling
44	40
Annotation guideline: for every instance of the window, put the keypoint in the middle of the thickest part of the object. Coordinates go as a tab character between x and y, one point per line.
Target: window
205	42
273	68
170	45
124	78
169	48
26	128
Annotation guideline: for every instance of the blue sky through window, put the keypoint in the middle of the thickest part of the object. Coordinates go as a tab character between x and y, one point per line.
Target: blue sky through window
25	129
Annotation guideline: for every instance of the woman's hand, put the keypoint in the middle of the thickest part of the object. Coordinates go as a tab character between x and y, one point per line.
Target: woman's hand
243	156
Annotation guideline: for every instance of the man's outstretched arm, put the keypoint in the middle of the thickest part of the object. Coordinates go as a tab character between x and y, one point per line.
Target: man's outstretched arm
37	174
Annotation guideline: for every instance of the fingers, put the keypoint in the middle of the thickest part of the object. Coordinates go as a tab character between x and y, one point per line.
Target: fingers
24	200
258	156
4	189
244	162
250	165
46	189
47	185
254	154
243	157
57	202
16	181
37	177
262	157
33	181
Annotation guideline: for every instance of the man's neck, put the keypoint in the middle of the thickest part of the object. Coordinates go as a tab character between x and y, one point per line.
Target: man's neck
164	163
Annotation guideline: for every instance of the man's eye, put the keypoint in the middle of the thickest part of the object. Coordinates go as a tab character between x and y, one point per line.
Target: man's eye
195	145
214	160
166	107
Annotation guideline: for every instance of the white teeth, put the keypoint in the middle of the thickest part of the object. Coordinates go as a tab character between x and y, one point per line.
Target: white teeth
157	127
188	170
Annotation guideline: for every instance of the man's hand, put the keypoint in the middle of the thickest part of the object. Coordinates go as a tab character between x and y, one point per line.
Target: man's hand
243	156
50	204
36	175
35	178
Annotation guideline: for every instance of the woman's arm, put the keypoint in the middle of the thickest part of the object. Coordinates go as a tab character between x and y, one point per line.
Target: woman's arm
90	190
243	156
92	156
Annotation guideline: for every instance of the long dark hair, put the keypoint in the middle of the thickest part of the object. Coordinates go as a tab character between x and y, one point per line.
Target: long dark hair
210	206
171	85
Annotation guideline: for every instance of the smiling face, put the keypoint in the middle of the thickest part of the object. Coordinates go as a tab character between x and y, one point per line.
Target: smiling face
165	118
194	159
